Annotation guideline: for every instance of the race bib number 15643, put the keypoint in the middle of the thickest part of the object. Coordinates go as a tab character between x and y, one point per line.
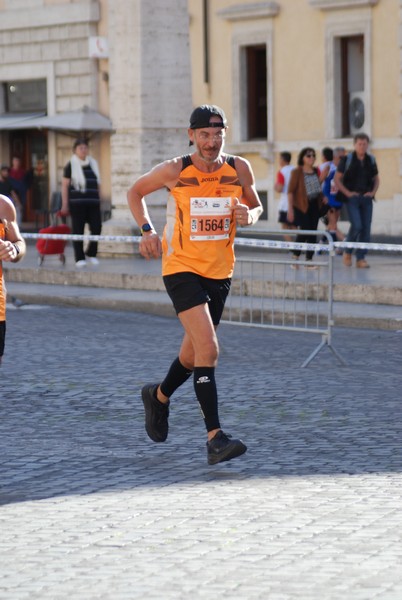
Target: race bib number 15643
210	218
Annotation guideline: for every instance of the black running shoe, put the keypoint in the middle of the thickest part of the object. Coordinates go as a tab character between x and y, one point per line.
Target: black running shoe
156	414
222	448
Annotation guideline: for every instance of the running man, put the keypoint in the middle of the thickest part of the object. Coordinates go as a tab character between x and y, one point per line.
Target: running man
209	193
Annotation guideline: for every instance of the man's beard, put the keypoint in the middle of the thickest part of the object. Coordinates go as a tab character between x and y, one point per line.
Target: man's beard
210	159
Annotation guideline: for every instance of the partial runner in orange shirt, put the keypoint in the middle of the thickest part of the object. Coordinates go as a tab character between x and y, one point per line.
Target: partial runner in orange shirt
12	249
209	194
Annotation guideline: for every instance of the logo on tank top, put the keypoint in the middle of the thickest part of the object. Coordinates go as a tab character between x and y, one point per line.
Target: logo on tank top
209	179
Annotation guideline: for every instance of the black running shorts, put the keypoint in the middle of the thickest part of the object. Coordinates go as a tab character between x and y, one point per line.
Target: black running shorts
187	290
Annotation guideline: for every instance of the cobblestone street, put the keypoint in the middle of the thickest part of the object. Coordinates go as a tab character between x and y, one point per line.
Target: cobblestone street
92	509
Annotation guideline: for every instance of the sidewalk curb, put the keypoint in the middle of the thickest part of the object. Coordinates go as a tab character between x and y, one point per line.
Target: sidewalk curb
159	304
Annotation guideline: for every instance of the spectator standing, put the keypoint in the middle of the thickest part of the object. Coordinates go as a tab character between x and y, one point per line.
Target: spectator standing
20	179
305	199
81	199
281	186
357	179
327	155
330	191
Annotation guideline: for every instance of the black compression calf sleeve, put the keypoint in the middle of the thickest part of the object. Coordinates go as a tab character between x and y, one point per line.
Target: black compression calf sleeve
207	396
176	376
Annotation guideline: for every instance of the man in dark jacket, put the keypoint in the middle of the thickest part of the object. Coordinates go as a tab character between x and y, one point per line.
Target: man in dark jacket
357	179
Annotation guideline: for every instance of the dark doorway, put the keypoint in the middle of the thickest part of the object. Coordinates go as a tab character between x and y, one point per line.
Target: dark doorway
32	148
257	92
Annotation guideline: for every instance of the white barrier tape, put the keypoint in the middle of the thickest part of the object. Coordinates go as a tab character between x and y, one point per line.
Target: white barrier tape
250	242
322	247
81	238
253	243
371	246
128	239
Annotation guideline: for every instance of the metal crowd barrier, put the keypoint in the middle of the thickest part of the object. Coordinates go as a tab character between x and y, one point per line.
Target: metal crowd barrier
268	292
279	292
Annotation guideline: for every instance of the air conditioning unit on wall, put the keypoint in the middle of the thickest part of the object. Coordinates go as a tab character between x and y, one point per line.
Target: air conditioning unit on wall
357	114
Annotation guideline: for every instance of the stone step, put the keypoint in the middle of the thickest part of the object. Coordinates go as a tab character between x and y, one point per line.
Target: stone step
355	292
22	296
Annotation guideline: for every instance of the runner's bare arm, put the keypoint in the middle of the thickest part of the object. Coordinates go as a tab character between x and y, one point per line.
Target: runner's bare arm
249	210
161	176
13	248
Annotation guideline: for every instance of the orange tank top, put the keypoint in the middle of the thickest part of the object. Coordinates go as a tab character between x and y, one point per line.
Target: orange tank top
2	286
200	229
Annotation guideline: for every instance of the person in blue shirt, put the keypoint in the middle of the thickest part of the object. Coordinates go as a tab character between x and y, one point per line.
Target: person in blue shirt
330	190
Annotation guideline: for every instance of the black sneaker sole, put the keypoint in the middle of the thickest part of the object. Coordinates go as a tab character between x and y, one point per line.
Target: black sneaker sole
232	450
154	410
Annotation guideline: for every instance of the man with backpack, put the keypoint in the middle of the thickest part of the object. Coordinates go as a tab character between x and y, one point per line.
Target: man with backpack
357	181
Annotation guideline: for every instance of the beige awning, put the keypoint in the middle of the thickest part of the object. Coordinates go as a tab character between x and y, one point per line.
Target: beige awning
84	120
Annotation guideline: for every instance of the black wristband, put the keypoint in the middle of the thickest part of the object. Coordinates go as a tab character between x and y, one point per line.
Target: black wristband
146	228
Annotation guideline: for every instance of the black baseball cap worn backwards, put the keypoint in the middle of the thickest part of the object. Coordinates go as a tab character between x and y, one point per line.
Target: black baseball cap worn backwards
200	117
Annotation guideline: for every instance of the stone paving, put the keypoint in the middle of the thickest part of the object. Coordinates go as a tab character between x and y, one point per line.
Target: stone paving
92	509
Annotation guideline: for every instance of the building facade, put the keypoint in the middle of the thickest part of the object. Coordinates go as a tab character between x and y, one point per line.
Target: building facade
292	73
126	59
46	69
288	73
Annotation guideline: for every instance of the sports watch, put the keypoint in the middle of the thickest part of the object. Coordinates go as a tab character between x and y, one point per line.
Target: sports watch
146	228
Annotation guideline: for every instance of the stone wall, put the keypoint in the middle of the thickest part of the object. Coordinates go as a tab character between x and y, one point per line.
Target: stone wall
33	39
150	95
